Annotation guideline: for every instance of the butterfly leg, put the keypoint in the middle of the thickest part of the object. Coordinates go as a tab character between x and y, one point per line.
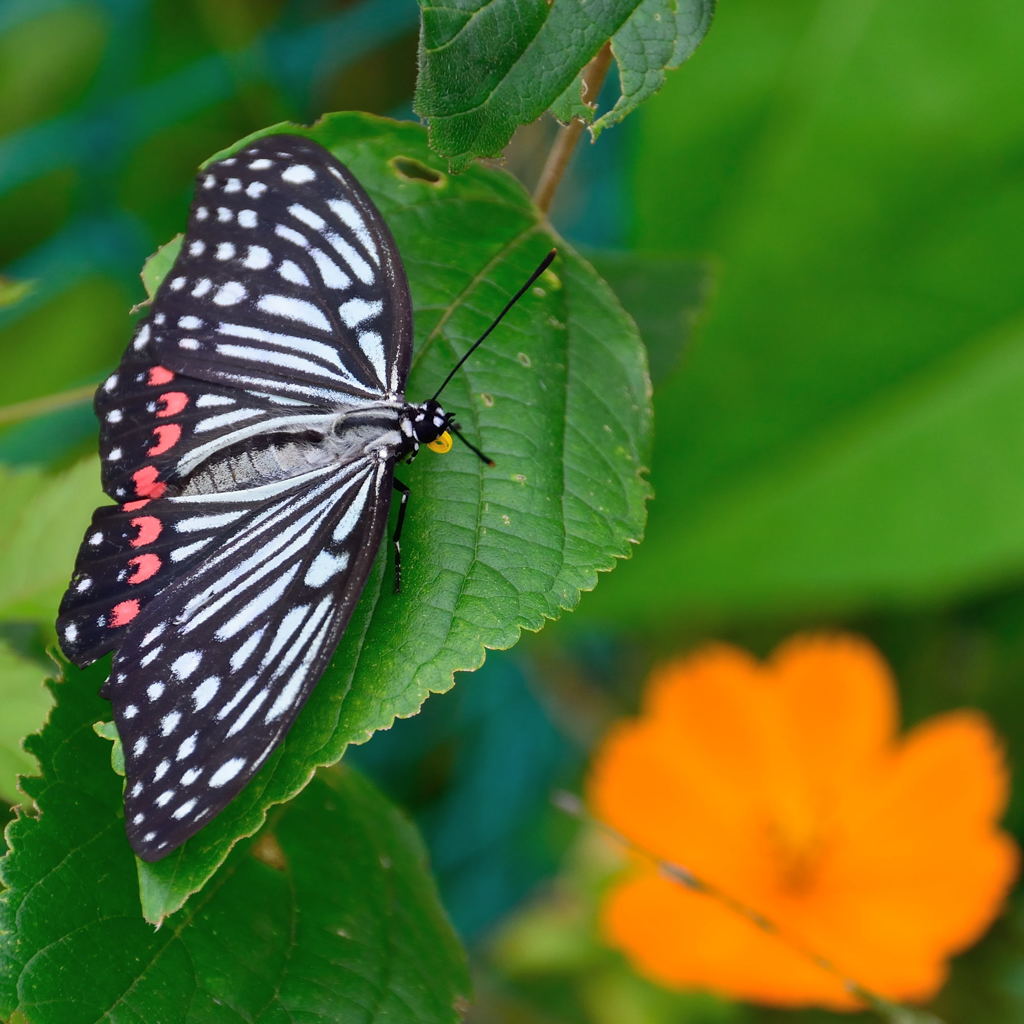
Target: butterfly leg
403	492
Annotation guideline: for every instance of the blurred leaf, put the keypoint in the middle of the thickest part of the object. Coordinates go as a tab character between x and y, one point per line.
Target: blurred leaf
664	293
476	768
916	495
329	915
42	520
12	292
25	702
846	432
520	541
489	66
552	963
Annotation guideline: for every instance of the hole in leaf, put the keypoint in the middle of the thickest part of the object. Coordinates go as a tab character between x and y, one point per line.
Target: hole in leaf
416	171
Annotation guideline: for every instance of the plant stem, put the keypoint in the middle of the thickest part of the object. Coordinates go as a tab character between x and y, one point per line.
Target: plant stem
45	403
565	143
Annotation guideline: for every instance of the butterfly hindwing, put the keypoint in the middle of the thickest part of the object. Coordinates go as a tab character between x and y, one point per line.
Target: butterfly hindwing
217	667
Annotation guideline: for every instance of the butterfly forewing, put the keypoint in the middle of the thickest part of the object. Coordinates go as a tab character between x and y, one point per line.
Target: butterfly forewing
287	292
222	661
249	518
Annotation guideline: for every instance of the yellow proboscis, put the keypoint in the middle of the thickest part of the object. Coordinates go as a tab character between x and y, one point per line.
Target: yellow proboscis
441	444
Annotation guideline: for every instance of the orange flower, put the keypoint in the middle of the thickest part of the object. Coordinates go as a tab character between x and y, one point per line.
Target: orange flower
785	786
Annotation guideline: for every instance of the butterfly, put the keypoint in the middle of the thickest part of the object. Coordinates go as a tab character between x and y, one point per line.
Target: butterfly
249	437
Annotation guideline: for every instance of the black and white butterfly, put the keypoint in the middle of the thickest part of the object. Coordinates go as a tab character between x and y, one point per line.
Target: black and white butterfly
250	436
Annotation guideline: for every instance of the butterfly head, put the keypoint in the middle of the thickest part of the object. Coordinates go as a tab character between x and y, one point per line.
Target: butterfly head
430	426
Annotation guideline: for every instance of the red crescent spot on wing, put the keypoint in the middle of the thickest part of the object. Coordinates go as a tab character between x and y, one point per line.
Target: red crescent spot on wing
159	375
145	567
149	528
173	403
167	436
146	483
123	613
132	506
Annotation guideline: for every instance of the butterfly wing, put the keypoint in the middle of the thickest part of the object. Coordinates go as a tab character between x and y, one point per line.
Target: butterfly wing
287	298
215	668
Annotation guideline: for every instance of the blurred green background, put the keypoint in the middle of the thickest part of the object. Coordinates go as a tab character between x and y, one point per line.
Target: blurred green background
841	444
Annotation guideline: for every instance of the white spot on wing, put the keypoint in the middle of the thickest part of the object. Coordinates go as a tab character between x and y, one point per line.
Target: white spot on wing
324	566
205	692
307	216
292	272
371	344
184	808
227	771
356	311
169	723
257	258
332	274
230	293
294	309
186	664
298	174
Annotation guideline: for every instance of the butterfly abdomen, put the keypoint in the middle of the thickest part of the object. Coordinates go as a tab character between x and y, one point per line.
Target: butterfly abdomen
258	460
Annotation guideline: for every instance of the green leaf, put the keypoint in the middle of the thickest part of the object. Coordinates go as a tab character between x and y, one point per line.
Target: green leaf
658	37
846	433
330	915
154	270
25	702
559	397
42	519
489	66
12	292
930	517
665	294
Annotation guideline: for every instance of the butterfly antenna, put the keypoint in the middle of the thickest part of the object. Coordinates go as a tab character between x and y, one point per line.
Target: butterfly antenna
544	264
469	444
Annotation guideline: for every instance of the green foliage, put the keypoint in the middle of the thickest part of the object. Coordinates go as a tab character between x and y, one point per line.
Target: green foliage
846	434
657	37
329	915
489	66
665	294
25	702
42	519
486	552
12	292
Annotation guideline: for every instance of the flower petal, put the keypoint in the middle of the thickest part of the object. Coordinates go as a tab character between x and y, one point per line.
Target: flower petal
685	939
